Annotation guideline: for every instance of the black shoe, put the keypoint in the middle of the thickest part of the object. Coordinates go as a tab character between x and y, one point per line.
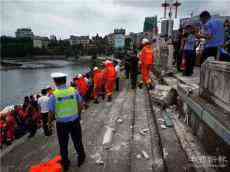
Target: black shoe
96	101
31	135
8	142
65	165
140	85
86	106
81	159
103	97
151	87
109	98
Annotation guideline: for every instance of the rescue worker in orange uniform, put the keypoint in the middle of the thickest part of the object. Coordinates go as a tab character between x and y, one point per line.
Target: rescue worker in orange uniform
147	60
110	78
83	88
98	83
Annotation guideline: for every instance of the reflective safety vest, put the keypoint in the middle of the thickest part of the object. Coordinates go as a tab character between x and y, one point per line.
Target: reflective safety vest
66	103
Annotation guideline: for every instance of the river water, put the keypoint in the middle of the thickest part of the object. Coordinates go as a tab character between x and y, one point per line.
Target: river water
17	83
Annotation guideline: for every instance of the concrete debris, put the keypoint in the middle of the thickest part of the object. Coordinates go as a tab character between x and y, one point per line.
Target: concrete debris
165	153
144	131
163	126
138	156
108	137
99	162
161	119
124	144
119	120
97	158
116	148
145	154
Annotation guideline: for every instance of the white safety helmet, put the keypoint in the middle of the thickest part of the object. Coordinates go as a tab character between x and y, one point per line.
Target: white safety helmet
95	68
79	75
106	62
145	40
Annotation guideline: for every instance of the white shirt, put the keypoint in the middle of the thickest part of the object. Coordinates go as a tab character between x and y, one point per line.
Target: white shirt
43	103
117	68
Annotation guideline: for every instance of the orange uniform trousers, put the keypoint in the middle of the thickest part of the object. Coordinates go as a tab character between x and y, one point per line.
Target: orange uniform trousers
145	72
109	86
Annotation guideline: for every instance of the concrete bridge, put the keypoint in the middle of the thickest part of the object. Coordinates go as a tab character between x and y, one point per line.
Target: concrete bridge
131	133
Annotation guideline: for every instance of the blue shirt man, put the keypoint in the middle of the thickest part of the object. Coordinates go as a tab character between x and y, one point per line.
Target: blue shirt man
213	33
215	29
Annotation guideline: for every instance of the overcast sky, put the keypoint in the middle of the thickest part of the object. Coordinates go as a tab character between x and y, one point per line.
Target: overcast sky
88	17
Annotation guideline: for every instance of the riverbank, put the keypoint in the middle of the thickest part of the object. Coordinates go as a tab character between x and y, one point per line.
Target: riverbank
42	62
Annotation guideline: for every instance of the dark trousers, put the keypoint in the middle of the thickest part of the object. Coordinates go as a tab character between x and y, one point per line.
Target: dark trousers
117	84
133	78
127	73
209	52
46	130
179	59
63	131
32	126
190	56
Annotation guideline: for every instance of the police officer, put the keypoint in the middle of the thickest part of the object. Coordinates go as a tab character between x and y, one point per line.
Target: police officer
64	104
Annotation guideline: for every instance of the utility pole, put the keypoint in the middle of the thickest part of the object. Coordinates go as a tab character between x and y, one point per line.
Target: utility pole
176	5
165	5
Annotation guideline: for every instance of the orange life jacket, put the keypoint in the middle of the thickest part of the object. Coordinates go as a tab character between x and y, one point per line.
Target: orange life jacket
110	71
98	78
50	166
147	56
82	86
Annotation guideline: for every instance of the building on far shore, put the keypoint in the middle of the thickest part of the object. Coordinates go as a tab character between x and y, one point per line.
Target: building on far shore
76	40
119	38
110	39
53	38
40	42
24	33
84	40
150	24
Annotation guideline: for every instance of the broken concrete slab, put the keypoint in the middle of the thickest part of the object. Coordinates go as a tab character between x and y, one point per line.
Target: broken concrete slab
119	120
146	156
143	132
107	139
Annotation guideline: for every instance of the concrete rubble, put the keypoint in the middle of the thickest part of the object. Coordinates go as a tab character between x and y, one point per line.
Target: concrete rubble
143	132
146	156
107	139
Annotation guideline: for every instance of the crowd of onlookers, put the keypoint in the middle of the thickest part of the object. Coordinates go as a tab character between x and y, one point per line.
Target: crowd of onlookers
196	42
